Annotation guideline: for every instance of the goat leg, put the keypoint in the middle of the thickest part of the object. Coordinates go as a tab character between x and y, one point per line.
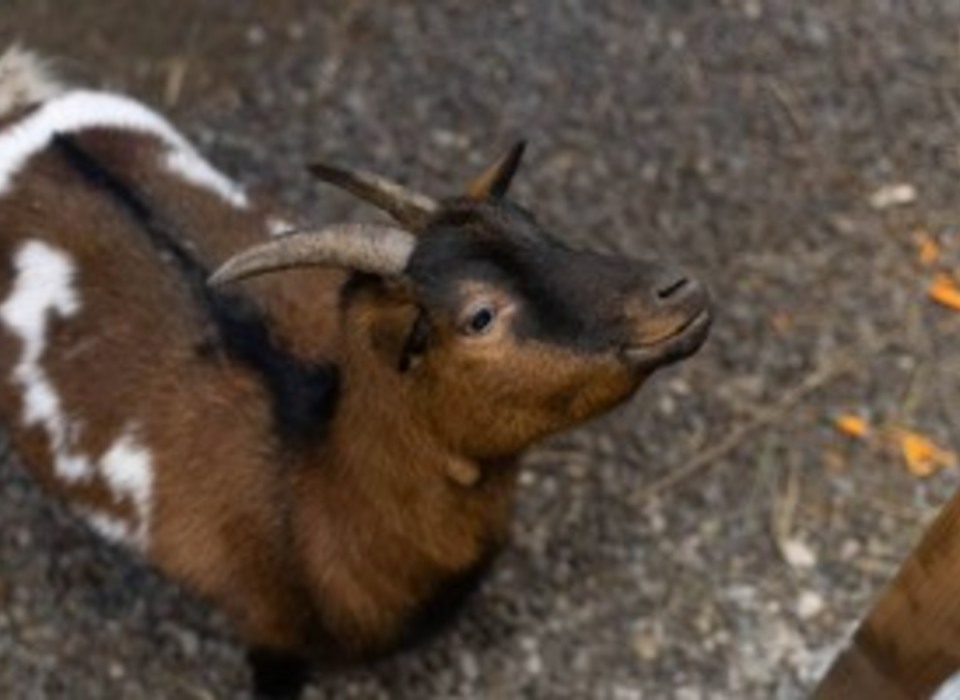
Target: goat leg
277	675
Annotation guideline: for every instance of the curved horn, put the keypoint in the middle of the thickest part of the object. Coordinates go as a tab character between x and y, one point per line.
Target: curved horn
410	208
494	182
381	250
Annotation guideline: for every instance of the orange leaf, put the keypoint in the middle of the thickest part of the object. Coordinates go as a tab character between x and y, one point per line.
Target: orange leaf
922	455
928	250
944	290
781	322
852	425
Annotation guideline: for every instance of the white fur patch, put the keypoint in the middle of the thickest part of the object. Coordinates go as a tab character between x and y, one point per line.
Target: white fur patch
128	470
24	80
950	690
108	527
44	287
82	109
194	169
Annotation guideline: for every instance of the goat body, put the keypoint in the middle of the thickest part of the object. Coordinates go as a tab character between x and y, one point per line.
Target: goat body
327	454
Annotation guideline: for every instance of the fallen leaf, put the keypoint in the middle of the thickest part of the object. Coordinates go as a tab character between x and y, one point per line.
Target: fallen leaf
928	250
944	290
922	455
852	425
781	322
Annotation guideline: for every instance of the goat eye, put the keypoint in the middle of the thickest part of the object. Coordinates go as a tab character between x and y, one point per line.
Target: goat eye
481	321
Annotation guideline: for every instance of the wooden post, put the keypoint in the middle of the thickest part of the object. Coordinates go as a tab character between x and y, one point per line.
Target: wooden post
909	644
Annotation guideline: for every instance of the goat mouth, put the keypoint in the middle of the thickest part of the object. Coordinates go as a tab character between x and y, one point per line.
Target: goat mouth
679	345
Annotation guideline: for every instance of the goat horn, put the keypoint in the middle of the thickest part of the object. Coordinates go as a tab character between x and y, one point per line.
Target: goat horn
410	208
494	182
373	248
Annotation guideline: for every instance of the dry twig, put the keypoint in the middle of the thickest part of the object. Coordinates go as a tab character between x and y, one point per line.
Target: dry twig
771	415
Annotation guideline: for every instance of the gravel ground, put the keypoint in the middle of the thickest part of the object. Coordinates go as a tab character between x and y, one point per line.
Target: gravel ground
717	537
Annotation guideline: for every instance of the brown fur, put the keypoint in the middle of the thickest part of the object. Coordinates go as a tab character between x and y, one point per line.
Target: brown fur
371	538
331	548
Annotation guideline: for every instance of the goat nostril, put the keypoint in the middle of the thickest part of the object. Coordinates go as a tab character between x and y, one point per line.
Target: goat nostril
671	289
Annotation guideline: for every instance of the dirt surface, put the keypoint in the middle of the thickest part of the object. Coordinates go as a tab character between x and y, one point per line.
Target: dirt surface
717	537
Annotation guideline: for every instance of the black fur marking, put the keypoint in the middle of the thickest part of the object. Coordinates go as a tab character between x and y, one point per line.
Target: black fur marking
539	278
446	602
567	298
416	343
304	394
277	675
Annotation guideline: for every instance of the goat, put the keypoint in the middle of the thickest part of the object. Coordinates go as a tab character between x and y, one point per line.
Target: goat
328	454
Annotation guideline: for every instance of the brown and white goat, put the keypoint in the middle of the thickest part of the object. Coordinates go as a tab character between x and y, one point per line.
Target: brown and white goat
329	453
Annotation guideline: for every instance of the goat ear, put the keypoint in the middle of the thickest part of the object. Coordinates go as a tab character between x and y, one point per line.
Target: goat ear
399	330
494	182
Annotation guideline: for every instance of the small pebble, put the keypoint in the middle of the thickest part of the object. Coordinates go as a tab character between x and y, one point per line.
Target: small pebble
893	196
809	605
798	554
